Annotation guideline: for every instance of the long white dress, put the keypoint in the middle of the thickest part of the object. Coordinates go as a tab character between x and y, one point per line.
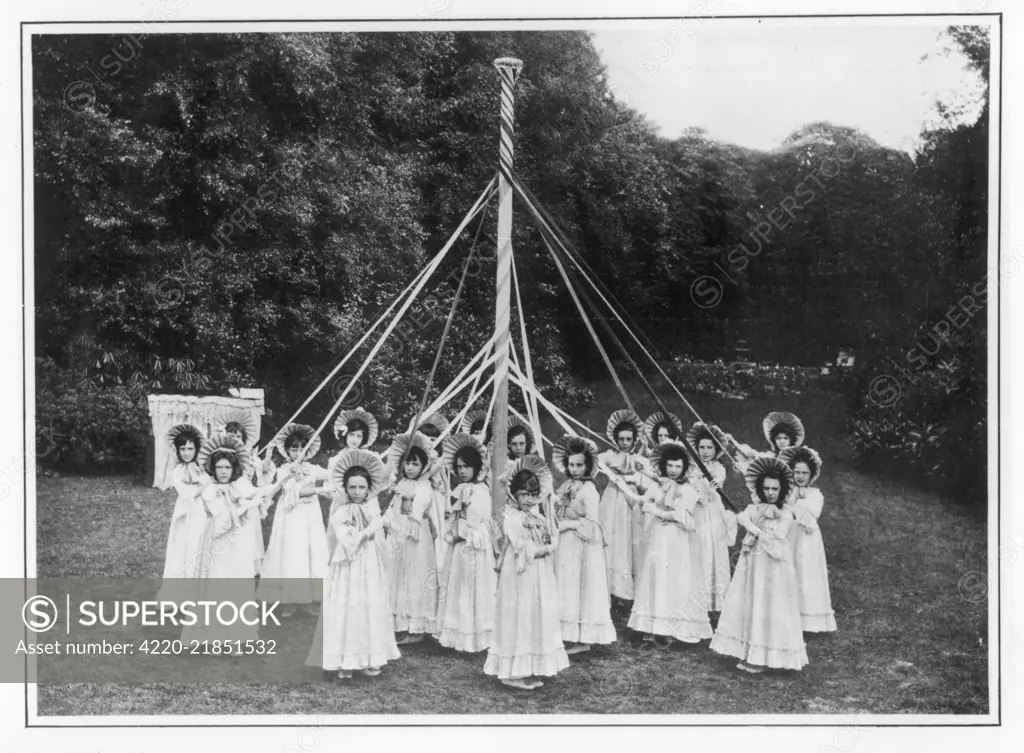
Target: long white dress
623	524
580	570
716	530
185	537
465	613
414	578
808	549
298	542
760	622
671	599
228	558
527	637
355	629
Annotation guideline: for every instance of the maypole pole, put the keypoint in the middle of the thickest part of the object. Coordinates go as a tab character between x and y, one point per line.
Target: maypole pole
508	70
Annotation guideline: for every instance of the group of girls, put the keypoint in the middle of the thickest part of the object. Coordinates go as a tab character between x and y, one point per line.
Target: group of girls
410	549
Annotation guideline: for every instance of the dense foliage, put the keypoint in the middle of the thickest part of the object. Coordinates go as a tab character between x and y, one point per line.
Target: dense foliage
921	403
234	209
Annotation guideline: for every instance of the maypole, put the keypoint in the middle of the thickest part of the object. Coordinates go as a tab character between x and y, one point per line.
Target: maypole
508	70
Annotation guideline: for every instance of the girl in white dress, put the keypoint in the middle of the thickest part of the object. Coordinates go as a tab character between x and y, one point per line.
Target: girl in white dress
579	560
296	558
620	508
228	557
477	426
716	526
465	613
241	426
760	622
413	522
671	600
355	631
357	427
661	427
520	438
188	520
806	502
527	639
781	430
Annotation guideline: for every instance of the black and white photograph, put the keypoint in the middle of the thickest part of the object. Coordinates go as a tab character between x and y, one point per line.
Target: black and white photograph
523	366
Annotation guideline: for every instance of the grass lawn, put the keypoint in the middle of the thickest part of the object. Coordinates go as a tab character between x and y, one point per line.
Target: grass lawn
908	641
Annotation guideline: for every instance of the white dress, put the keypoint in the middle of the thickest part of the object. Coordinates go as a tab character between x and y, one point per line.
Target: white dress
465	614
808	549
188	521
760	622
414	577
670	596
229	558
298	542
355	629
623	524
527	637
716	531
580	570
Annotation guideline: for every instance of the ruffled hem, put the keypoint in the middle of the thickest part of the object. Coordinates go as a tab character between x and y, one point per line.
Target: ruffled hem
761	656
525	665
346	662
588	632
470	643
407	624
671	626
818	623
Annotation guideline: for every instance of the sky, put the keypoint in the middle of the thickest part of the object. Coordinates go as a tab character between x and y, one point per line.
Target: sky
754	85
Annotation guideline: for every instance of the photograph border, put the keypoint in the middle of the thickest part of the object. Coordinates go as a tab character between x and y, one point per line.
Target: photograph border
28	29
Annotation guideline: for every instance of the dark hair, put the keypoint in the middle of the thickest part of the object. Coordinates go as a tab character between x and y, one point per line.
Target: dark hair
358	424
233	426
236	466
783	429
784	487
515	430
673	433
703	434
478	425
356	470
417	453
673	453
181	439
526	481
623	426
295	440
576	446
470	457
429	430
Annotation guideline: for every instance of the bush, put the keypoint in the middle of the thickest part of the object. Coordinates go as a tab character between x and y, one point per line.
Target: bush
928	424
740	379
86	429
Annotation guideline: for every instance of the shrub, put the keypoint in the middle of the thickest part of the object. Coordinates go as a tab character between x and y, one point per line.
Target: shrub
930	423
88	429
